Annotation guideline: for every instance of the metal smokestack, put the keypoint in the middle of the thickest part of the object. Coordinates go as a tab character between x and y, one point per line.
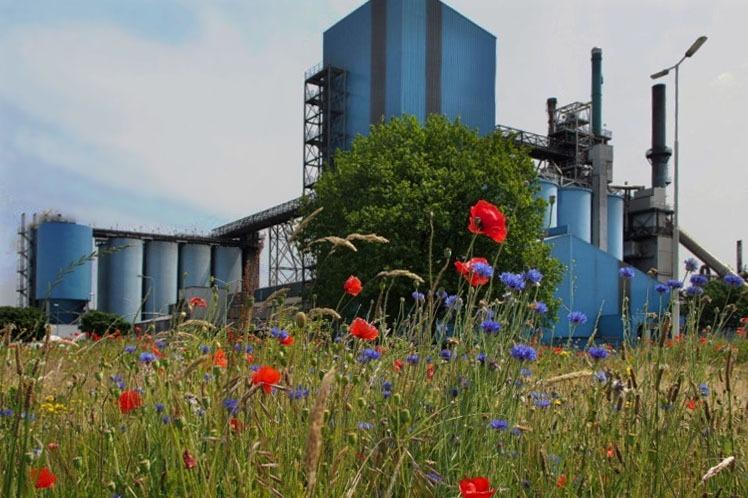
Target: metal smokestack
659	154
597	91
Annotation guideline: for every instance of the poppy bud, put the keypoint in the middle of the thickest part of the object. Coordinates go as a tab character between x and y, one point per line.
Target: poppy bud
144	465
447	253
300	319
78	462
99	376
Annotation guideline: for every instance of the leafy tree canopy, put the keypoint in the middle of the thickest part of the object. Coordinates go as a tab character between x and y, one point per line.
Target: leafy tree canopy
402	179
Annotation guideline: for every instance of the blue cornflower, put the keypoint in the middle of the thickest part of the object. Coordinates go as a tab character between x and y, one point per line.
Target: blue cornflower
165	419
733	280
365	426
699	280
523	352
147	357
207	377
368	355
445	354
662	288
205	349
454	392
577	318
238	347
694	291
674	284
691	264
159	407
626	272
499	424
525	372
540	307
279	334
130	348
231	405
482	269
434	477
453	301
6	412
418	297
704	390
597	353
298	393
254	368
490	326
412	359
533	276
442	294
542	403
387	389
601	377
515	281
118	380
161	343
481	357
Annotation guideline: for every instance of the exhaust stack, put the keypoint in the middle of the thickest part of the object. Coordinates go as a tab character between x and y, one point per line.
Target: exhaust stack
659	154
597	91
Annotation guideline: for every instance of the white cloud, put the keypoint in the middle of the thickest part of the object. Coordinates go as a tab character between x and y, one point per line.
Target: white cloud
213	121
725	80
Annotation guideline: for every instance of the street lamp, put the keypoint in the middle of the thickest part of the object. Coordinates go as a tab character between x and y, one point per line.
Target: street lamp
695	46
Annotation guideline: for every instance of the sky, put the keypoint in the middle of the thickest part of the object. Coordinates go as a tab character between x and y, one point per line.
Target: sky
179	116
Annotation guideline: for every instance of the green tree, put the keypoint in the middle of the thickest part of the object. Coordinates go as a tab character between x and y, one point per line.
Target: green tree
404	177
726	307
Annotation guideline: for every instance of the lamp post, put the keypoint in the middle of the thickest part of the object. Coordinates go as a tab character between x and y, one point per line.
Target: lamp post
676	177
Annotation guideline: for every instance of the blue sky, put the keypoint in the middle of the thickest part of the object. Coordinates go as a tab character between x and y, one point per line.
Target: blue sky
182	115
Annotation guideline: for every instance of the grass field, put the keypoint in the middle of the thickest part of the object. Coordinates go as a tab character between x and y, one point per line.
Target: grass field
179	414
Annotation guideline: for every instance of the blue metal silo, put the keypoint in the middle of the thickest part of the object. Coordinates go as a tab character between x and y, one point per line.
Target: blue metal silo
194	266
615	225
62	273
123	268
549	193
575	211
160	277
102	277
227	268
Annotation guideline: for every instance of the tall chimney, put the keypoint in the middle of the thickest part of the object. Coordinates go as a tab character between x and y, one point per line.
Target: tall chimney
597	91
659	154
739	251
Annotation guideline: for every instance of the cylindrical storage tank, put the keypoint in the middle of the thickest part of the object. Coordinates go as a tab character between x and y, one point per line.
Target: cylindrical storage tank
549	192
227	268
615	225
194	266
123	263
575	211
160	277
62	277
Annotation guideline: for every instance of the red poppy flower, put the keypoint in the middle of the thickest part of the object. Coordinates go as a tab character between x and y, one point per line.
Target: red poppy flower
430	371
363	330
129	401
610	452
198	302
397	365
352	286
744	320
486	219
476	487
691	404
741	331
561	481
465	268
53	446
219	359
250	358
156	352
287	341
266	376
43	478
190	462
236	424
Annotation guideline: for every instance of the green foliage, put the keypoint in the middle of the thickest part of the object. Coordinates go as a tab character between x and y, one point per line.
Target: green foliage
29	322
404	177
720	313
100	322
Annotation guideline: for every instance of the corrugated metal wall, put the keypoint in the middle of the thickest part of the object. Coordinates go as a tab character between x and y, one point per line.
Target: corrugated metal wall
161	272
122	270
412	91
347	45
468	75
